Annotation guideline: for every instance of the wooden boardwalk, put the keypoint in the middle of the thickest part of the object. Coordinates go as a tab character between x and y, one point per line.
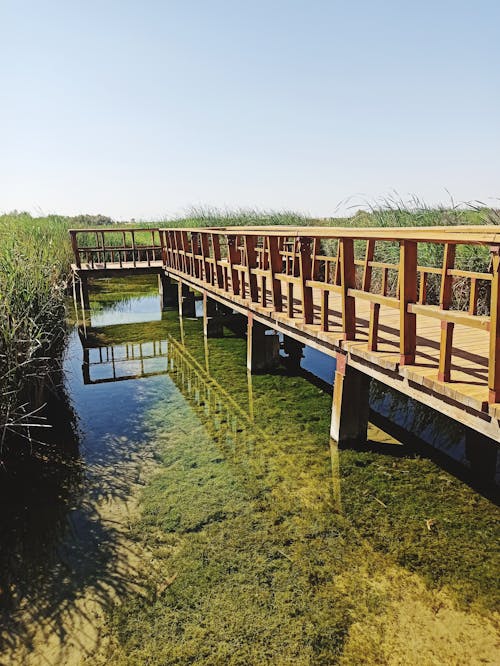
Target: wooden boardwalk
431	332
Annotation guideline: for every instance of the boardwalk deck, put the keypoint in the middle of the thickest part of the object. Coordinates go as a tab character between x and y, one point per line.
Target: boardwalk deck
443	356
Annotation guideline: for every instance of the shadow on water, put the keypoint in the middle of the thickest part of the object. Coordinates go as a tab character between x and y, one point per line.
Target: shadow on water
64	499
142	381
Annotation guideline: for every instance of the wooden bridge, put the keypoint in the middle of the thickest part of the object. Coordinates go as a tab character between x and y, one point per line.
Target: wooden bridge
358	294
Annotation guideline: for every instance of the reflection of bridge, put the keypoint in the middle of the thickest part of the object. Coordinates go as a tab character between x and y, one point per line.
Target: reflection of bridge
119	361
129	360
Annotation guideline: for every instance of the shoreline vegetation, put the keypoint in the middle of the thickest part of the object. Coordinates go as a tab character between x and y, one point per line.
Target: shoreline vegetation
35	256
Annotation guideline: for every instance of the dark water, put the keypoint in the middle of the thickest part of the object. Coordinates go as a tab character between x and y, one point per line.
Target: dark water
134	377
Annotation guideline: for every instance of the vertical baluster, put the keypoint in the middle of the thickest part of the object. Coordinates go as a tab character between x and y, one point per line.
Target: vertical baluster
374	307
367	269
446	343
348	281
407	294
195	244
276	262
133	249
232	245
473	296
205	251
305	274
249	244
494	360
217	258
422	294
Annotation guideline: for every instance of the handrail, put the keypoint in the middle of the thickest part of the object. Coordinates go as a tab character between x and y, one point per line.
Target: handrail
104	252
283	269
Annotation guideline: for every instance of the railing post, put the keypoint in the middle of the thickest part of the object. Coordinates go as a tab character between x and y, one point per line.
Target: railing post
195	247
233	259
76	251
348	281
251	262
217	258
446	343
494	360
205	251
407	294
305	273
276	263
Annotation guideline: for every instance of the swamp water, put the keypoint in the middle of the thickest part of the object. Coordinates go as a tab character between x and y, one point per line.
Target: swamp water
206	519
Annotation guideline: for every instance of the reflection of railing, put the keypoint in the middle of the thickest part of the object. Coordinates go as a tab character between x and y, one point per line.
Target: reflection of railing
119	362
124	248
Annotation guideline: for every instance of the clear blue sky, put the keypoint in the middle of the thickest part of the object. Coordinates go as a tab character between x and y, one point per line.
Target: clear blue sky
144	108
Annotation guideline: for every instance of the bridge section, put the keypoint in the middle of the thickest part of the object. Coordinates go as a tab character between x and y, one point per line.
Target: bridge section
430	330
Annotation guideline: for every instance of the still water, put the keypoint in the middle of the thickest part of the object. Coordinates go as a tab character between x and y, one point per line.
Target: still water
196	514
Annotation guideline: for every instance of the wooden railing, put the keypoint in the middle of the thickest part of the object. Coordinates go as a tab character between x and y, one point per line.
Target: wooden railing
283	269
93	247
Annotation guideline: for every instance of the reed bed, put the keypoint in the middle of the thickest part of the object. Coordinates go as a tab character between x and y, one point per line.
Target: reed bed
34	261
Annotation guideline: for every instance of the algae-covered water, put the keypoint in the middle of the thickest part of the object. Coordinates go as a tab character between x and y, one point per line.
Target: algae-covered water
208	519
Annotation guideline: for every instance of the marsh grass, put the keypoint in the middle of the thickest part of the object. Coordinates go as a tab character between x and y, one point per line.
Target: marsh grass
256	561
34	262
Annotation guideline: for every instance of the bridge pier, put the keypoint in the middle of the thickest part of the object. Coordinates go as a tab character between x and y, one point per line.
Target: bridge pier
350	409
263	351
167	290
84	291
187	305
212	318
293	349
481	453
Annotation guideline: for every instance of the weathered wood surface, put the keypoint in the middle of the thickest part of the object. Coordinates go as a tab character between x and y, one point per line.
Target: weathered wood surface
375	312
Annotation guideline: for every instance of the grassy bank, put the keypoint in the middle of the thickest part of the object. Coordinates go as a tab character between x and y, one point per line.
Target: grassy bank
34	262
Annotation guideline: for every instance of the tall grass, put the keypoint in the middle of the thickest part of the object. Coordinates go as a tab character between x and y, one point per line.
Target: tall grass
34	261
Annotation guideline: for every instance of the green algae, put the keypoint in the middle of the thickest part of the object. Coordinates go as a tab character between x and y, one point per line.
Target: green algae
260	556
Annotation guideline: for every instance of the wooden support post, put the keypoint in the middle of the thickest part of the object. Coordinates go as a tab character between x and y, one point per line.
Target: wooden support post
446	343
262	350
212	321
294	351
348	281
494	360
305	272
187	305
84	292
482	454
351	392
167	290
407	294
